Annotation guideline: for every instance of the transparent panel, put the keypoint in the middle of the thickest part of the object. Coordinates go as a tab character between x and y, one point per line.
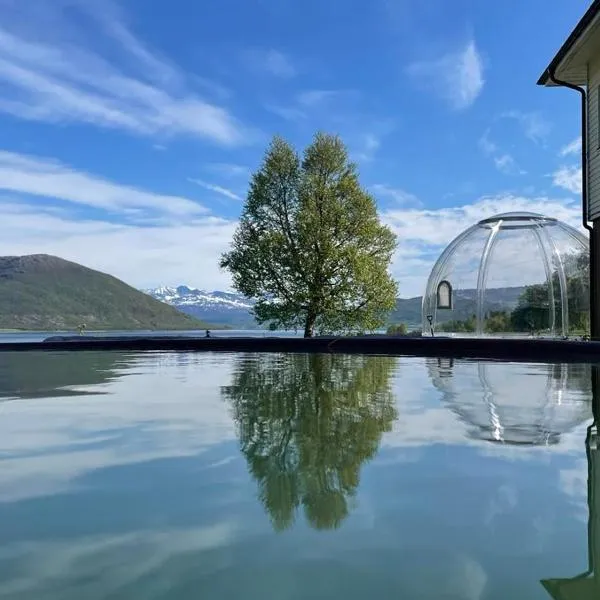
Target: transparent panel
513	274
458	265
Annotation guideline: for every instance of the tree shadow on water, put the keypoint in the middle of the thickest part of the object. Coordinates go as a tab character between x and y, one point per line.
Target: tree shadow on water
306	425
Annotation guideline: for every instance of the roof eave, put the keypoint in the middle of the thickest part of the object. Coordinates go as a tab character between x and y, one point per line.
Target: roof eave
581	27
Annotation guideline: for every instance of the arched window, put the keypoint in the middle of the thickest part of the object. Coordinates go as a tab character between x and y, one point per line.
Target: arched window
444	295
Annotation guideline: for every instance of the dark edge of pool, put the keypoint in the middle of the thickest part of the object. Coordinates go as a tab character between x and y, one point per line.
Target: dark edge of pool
521	350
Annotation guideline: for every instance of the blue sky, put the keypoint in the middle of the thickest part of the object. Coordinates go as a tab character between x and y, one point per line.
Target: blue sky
129	128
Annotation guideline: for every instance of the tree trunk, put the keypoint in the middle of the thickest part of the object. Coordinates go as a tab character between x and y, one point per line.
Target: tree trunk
309	324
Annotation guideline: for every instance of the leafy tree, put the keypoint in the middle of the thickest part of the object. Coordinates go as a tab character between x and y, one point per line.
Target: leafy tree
498	322
398	329
309	246
459	326
306	423
533	309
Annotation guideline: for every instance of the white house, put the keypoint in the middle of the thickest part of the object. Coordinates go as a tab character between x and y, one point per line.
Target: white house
577	66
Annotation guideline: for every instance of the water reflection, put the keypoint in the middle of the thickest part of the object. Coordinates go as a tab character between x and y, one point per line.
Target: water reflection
56	374
306	424
512	404
586	586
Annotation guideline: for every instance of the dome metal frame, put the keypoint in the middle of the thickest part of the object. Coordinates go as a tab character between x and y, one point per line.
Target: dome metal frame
539	225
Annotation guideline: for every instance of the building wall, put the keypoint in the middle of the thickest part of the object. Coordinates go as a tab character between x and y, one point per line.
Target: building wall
594	140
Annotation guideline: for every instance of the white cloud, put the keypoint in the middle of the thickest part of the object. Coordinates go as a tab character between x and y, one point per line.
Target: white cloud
57	81
503	161
143	256
456	77
573	147
506	164
215	188
187	249
172	239
568	178
48	179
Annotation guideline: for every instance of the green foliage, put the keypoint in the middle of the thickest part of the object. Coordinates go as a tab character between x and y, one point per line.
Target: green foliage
459	326
498	322
533	309
307	423
309	246
398	329
47	293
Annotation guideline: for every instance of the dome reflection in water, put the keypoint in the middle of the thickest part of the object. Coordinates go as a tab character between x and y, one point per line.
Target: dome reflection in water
307	423
502	402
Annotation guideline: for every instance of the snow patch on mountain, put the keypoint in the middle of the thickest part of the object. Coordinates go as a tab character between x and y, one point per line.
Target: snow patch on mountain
183	295
226	308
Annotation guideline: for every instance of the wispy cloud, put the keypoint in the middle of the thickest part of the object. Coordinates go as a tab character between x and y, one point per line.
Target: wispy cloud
57	81
229	169
573	147
271	61
568	178
399	196
46	178
289	113
336	104
215	188
312	98
504	162
279	64
457	77
535	126
366	147
486	144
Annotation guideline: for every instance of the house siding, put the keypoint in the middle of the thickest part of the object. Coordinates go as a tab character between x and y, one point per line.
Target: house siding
593	150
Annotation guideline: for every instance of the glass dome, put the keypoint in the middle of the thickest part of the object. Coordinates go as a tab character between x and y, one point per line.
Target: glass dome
514	273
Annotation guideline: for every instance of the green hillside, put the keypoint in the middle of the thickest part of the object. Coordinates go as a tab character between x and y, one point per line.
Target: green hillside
43	292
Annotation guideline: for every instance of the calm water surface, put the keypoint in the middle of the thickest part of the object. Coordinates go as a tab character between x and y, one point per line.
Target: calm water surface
166	475
39	336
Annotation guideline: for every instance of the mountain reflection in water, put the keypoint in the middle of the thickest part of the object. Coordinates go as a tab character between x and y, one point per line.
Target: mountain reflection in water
307	423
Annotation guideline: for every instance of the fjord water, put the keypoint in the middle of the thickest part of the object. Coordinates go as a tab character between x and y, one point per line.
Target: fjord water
174	475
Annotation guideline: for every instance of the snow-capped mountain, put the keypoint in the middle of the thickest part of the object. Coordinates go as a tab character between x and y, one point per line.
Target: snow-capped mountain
217	307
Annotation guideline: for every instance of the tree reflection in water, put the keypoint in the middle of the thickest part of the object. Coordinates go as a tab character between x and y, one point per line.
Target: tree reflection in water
306	425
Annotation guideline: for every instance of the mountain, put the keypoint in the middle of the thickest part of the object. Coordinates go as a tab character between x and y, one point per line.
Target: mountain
234	309
408	310
48	293
225	308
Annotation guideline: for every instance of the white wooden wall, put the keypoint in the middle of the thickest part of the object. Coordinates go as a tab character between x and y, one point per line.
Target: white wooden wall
593	140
